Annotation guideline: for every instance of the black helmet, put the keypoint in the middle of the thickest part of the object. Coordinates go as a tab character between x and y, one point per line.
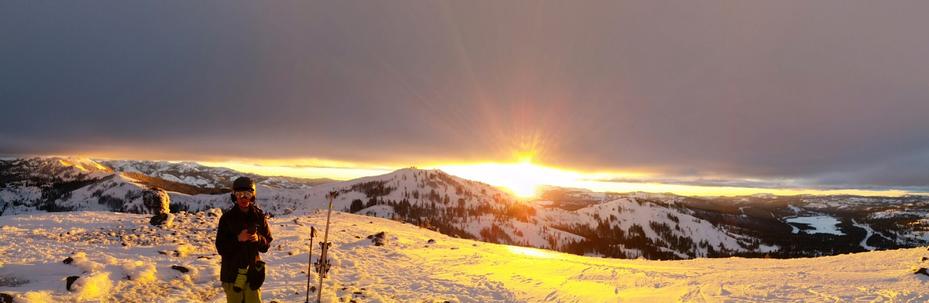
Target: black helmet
243	184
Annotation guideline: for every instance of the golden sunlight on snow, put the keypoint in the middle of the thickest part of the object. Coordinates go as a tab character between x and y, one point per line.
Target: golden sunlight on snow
532	252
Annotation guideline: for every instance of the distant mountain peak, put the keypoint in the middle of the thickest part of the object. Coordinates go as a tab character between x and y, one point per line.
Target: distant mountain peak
84	164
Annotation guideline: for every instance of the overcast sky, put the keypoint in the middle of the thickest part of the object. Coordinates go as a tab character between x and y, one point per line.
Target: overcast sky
831	93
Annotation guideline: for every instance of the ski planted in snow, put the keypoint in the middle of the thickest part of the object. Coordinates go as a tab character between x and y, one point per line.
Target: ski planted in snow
322	264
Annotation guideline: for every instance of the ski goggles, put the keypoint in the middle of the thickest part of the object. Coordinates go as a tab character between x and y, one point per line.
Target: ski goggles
244	194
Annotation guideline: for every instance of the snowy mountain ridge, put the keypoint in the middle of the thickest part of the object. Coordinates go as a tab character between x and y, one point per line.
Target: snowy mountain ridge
195	174
621	225
429	198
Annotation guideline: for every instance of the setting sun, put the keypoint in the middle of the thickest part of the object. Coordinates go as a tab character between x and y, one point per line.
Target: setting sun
523	179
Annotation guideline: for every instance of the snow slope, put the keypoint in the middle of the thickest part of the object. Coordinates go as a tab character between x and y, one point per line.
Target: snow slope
625	213
120	258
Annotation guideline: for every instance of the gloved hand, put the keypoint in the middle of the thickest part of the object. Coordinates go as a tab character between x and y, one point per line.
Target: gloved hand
256	275
240	280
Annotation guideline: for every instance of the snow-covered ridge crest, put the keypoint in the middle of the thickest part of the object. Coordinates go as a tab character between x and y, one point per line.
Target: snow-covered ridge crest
195	174
60	168
622	225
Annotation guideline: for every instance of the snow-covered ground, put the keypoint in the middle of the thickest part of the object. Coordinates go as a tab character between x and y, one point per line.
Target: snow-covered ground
119	258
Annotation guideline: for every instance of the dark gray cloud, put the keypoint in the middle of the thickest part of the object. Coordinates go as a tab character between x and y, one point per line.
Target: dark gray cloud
829	92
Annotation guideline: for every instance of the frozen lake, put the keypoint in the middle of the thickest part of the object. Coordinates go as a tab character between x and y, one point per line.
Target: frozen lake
819	225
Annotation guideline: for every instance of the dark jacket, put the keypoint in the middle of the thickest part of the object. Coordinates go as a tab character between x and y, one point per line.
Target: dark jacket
237	254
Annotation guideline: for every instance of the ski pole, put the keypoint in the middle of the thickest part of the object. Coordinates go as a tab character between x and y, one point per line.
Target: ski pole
309	264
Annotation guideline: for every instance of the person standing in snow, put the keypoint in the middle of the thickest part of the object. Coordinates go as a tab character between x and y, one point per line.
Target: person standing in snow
242	233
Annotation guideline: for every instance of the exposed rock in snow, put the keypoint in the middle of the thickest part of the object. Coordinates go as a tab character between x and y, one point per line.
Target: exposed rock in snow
70	281
156	201
180	268
378	239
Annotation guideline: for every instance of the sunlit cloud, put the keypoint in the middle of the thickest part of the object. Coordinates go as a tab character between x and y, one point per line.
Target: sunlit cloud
303	168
